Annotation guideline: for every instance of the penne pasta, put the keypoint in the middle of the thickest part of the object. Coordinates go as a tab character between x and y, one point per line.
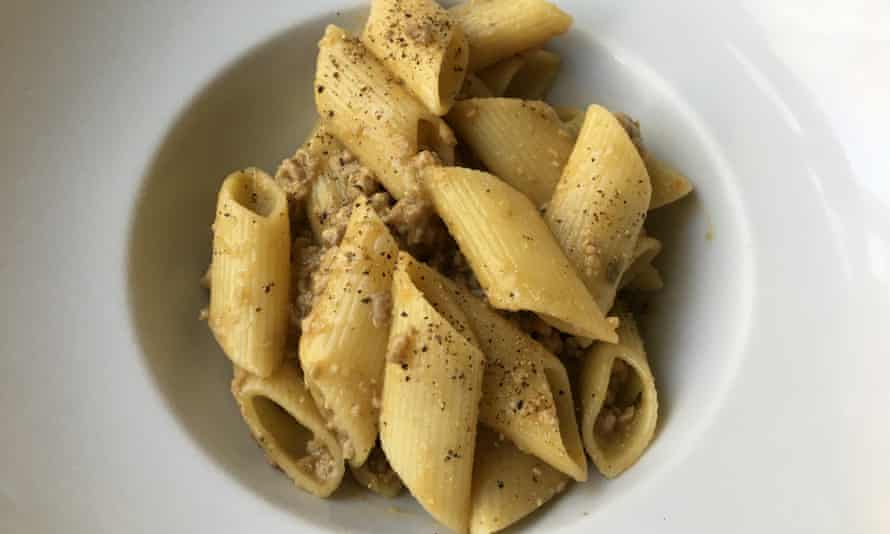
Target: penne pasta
521	142
345	335
250	271
498	76
419	42
526	394
646	249
512	252
364	106
599	206
377	475
474	88
534	80
668	185
285	422
508	484
431	391
498	29
619	403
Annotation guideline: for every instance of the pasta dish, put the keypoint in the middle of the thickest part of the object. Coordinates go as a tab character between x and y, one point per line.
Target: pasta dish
435	291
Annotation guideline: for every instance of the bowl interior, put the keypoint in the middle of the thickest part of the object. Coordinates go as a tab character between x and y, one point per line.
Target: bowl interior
258	111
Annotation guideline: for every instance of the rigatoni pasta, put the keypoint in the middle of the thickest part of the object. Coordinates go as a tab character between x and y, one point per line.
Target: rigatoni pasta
410	304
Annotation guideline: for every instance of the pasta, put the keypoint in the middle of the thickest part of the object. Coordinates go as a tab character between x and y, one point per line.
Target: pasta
521	142
619	404
526	394
285	422
498	29
419	42
408	303
514	256
508	484
600	204
345	335
431	391
250	272
368	111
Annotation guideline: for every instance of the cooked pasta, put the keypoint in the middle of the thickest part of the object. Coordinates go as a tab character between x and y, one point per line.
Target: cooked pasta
513	254
522	142
345	335
435	310
419	42
285	422
600	204
250	272
619	404
497	29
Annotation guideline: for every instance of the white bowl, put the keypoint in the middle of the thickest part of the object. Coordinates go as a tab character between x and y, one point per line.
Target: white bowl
769	343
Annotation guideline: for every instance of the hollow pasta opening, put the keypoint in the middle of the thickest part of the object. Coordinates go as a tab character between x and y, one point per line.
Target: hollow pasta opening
256	193
289	435
435	136
619	415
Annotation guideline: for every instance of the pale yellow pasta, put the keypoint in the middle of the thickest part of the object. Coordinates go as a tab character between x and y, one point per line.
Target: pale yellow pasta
419	42
345	335
619	403
600	204
534	80
508	484
498	76
498	29
431	391
646	249
366	108
526	394
474	88
521	142
512	252
250	271
377	475
668	185
286	423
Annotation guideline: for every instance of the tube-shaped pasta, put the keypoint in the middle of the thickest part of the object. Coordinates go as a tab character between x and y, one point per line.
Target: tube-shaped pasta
521	142
250	271
377	475
600	204
534	80
420	43
345	335
498	76
619	404
431	391
572	119
668	185
512	252
377	119
508	484
285	422
526	394
646	249
497	29
474	88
